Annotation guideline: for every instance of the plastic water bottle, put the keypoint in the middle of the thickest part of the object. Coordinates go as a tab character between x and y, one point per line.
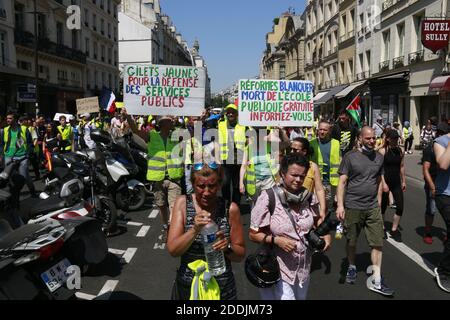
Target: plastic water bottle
339	231
214	258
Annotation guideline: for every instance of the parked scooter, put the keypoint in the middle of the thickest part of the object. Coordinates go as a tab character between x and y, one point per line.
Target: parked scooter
34	258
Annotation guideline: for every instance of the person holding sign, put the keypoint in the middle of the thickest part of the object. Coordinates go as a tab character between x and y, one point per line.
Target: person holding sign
232	141
165	168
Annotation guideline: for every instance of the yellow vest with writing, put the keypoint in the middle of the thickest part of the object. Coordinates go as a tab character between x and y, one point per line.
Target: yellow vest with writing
335	159
161	160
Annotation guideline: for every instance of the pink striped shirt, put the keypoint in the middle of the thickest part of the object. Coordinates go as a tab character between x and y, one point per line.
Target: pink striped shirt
296	264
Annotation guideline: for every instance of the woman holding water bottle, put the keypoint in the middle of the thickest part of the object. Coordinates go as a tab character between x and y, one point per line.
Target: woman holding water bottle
192	215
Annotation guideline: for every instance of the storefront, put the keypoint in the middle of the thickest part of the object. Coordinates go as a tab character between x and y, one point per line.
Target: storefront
389	98
441	85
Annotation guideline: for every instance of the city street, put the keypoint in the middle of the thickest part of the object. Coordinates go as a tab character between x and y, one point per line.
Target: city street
139	266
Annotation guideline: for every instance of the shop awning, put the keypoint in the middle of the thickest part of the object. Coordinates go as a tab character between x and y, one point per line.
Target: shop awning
441	83
349	89
319	95
330	94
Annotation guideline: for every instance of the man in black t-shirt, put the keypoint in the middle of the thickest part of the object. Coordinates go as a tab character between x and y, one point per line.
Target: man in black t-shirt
344	132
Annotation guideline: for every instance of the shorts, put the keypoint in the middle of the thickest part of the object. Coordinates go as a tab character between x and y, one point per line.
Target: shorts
166	192
368	219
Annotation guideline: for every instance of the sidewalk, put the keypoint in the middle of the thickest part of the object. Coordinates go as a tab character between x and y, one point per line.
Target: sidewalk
412	165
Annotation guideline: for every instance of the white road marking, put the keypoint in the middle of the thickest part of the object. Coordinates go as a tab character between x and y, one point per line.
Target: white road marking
116	251
84	296
107	289
161	246
129	255
136	224
407	251
153	214
143	231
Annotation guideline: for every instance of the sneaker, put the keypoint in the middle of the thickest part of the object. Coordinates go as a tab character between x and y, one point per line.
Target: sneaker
396	235
442	280
351	275
381	288
428	239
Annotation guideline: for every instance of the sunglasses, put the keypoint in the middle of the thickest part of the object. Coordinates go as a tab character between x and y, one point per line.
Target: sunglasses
211	165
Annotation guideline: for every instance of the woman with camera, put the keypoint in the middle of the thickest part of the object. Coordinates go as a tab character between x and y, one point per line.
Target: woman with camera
294	215
191	213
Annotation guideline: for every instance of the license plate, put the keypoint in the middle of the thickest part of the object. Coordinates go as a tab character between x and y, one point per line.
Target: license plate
56	276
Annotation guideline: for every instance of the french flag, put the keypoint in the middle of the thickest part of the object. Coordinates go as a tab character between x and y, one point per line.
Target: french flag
108	100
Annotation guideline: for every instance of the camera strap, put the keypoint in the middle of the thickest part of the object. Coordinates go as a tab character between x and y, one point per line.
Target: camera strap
287	209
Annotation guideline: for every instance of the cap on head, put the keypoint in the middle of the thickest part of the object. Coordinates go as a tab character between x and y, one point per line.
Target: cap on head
231	106
86	115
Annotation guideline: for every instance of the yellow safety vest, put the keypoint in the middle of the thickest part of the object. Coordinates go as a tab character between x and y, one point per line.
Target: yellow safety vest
335	159
66	134
36	147
193	145
204	286
250	175
310	132
23	130
161	159
239	138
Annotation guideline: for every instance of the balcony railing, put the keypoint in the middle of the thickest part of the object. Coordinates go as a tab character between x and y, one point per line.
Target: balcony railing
317	61
26	39
351	34
350	78
333	50
398	62
363	75
384	65
360	32
387	4
415	57
343	38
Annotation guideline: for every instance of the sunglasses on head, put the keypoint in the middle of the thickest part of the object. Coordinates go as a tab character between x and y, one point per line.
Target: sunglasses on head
211	165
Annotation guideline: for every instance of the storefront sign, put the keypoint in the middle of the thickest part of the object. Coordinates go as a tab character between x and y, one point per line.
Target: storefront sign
435	34
26	93
276	103
164	90
87	105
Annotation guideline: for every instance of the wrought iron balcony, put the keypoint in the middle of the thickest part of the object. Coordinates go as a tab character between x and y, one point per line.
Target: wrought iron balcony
26	39
415	57
387	4
383	66
360	76
398	62
351	34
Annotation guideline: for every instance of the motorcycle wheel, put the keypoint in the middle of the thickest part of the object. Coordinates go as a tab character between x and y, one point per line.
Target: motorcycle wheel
131	200
107	215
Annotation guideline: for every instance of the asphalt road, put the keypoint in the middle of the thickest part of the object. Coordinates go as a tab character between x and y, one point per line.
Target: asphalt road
139	266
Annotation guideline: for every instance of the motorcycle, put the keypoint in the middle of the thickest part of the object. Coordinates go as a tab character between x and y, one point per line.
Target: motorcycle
36	260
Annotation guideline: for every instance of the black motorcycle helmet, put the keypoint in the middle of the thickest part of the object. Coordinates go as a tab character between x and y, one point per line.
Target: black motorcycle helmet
262	269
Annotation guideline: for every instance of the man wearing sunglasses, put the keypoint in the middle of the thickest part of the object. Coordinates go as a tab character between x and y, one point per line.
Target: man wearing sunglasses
164	168
232	141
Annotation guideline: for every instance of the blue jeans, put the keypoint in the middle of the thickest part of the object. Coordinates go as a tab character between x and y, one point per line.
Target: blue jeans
430	207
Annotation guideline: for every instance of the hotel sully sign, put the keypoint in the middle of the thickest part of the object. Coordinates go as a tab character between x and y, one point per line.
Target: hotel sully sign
435	34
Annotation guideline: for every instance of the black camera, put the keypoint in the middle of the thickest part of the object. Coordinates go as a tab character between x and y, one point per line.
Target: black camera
314	235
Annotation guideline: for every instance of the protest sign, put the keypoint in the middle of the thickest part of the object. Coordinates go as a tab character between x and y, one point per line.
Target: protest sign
67	115
87	105
283	103
164	90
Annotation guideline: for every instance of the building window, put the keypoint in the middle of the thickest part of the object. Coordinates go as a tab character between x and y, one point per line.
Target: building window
88	46
86	17
95	78
401	39
3	44
19	14
110	55
109	30
88	78
368	62
62	75
23	65
109	5
59	33
110	80
386	45
102	26
282	71
417	26
74	39
95	50
103	53
42	27
94	22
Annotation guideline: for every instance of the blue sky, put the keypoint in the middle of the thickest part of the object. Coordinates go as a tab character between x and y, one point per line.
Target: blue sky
231	33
